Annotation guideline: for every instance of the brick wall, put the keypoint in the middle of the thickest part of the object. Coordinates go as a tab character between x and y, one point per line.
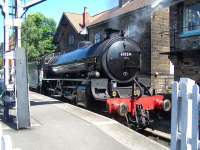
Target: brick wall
187	66
63	38
187	61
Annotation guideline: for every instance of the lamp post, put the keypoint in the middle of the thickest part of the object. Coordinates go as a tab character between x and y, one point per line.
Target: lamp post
12	56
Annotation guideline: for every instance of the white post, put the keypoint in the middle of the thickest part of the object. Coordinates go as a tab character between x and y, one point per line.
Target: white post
6	143
174	114
186	112
10	58
195	117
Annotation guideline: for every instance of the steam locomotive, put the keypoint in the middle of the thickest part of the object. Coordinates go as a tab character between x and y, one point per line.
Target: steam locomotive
103	72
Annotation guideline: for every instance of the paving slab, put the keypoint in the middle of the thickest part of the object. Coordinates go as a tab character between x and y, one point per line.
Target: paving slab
61	126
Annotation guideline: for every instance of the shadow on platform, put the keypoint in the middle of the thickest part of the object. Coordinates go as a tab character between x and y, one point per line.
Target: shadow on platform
36	103
11	122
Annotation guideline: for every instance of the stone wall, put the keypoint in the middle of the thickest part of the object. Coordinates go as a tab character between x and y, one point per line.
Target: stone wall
160	43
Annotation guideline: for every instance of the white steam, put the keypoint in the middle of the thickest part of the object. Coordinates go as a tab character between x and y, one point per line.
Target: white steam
139	22
160	4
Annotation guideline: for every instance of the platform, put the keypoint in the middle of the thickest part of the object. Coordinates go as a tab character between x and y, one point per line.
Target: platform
61	126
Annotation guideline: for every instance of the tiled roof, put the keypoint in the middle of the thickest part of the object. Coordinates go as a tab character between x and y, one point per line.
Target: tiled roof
131	6
75	19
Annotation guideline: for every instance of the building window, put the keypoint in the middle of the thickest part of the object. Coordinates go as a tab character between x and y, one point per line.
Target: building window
191	18
71	39
97	37
131	30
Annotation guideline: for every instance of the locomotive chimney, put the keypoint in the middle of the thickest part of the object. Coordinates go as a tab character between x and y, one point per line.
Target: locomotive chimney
86	17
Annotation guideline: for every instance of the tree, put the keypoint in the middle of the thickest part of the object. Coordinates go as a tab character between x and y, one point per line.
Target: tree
37	35
1	61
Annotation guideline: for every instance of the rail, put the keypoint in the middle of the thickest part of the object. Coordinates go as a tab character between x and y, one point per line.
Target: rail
185	115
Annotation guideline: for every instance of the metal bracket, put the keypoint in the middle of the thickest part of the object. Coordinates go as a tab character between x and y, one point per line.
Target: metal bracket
13	22
2	8
32	3
1	4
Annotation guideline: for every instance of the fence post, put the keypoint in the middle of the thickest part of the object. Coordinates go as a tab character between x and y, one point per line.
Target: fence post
195	117
186	112
182	106
174	121
6	143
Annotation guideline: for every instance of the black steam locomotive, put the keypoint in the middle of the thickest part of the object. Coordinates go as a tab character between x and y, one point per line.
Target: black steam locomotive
94	71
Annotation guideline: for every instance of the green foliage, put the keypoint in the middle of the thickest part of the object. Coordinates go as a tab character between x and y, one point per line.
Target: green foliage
37	35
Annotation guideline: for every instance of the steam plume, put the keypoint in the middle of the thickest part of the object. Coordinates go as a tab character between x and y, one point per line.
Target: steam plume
160	4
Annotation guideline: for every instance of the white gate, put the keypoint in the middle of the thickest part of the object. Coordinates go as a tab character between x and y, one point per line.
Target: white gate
185	115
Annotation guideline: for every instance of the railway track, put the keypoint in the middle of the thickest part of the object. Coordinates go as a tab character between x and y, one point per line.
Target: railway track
158	136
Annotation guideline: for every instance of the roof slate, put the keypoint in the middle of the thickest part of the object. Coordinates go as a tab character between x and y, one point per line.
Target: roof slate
77	19
129	7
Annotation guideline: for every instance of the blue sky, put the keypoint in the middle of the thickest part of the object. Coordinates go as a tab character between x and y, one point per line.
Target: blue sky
55	8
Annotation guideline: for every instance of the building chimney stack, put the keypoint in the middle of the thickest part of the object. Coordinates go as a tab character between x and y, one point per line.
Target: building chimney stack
122	2
86	17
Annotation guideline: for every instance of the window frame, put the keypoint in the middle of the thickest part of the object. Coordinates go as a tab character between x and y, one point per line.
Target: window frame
130	26
71	39
97	37
194	29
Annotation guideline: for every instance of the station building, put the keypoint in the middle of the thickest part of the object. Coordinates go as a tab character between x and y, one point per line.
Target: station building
148	27
185	39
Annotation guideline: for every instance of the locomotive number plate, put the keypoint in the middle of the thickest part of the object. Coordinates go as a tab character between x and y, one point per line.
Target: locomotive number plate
125	54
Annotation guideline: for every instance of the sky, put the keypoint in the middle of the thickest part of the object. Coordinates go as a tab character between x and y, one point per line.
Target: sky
55	8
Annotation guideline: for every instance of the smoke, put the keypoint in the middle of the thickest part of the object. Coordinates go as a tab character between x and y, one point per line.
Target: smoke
158	4
114	23
138	23
134	26
140	20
